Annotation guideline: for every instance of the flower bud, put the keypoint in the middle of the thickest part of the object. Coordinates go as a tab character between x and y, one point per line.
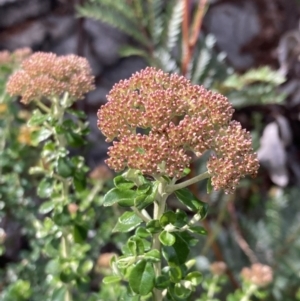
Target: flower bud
258	274
218	268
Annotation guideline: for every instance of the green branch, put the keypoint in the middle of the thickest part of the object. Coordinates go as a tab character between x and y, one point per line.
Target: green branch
171	188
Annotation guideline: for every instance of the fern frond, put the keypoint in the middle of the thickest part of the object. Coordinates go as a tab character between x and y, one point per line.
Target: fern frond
204	57
115	19
172	19
167	62
174	24
155	19
120	6
126	51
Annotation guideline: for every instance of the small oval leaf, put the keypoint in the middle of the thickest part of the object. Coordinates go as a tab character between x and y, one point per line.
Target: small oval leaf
117	195
167	238
127	222
142	277
46	207
111	279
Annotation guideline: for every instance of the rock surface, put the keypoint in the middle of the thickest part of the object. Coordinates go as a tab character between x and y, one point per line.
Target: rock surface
233	26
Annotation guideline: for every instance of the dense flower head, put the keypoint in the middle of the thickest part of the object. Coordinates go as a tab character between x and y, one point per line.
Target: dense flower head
153	99
14	58
258	274
160	120
46	75
232	158
218	268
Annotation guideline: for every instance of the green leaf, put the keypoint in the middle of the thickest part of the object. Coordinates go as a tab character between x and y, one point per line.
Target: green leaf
77	113
45	188
140	202
209	186
73	139
126	51
53	267
121	183
51	250
68	124
129	297
142	232
59	294
19	290
181	218
127	222
153	226
194	277
147	195
185	196
142	277
175	274
136	246
198	229
153	256
167	238
37	118
111	279
169	217
46	207
178	252
162	282
40	135
181	291
67	275
117	195
85	267
79	233
64	167
79	181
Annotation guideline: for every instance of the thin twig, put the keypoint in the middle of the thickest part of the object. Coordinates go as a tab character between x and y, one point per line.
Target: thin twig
210	235
189	42
286	246
238	234
185	37
197	24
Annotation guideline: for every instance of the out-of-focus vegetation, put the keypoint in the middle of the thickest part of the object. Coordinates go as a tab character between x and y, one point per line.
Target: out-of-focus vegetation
259	223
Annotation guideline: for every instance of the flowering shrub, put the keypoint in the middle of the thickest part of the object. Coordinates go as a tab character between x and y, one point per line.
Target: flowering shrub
160	121
62	256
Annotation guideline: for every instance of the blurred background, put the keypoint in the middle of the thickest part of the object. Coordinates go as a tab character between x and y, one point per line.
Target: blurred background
248	50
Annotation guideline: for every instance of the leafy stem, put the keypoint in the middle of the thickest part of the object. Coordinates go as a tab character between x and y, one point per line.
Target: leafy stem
42	106
142	214
251	289
212	288
58	113
158	211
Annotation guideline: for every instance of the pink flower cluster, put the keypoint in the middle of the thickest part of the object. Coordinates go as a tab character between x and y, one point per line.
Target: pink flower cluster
258	274
14	58
159	120
45	75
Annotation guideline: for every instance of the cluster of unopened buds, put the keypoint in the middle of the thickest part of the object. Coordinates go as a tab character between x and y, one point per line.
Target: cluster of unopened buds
218	268
258	274
159	121
14	58
46	75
